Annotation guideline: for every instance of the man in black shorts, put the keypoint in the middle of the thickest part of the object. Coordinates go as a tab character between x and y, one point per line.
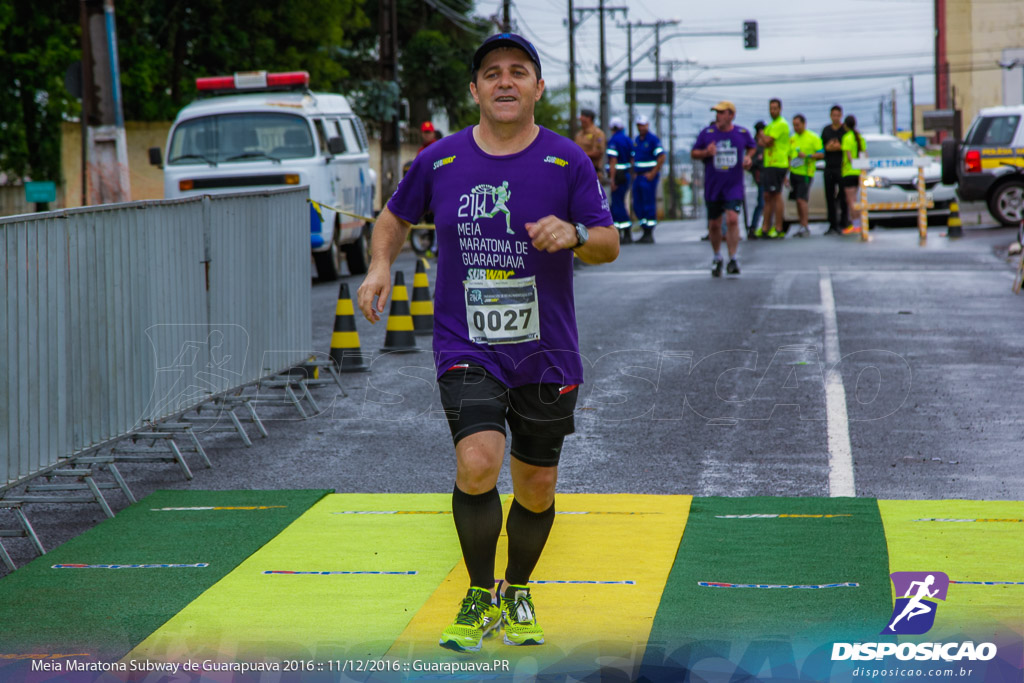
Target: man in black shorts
775	140
835	198
512	203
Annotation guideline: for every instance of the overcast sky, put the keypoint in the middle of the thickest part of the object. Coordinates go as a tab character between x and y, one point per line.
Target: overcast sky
821	48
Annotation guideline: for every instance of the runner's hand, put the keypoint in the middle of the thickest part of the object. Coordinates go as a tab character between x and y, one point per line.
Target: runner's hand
377	284
551	234
711	149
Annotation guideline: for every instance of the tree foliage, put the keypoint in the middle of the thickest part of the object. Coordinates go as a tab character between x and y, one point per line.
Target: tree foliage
36	48
168	44
163	45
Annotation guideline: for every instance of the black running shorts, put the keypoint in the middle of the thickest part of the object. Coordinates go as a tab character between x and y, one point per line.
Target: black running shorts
717	208
772	179
801	185
850	181
540	415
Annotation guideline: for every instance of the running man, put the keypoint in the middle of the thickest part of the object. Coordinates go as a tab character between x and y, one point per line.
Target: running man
726	150
620	162
804	148
915	606
775	140
648	158
500	195
511	355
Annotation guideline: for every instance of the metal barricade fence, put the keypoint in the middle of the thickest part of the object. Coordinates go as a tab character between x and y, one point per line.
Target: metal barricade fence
118	316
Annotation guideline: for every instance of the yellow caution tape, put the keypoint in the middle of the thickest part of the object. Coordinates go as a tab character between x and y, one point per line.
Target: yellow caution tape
317	205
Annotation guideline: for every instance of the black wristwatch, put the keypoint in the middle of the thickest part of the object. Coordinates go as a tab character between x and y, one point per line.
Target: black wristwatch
582	235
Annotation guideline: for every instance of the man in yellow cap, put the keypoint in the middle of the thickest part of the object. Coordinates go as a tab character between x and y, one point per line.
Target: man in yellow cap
726	150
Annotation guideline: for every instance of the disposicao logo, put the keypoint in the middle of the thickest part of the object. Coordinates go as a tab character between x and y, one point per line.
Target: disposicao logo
917	592
917	596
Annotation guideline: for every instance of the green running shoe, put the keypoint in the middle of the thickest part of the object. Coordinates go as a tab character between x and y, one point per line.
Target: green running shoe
477	617
519	618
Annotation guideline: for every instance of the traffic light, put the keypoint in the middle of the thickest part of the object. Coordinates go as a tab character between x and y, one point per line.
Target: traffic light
750	35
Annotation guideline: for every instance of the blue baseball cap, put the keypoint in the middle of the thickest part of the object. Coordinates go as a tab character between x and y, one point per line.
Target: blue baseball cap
506	40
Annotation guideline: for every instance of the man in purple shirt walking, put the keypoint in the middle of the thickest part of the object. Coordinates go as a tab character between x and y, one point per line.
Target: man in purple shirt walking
726	150
512	203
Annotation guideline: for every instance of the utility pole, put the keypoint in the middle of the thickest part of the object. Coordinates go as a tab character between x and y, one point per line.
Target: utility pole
390	136
629	59
573	119
657	60
673	201
506	16
102	112
601	9
894	111
913	123
604	73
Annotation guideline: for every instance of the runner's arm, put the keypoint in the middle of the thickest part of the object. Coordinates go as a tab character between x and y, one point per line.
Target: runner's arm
389	234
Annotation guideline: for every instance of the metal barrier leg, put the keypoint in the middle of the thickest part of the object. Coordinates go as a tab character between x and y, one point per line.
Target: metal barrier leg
6	558
256	419
116	473
295	401
99	497
309	396
181	459
29	531
238	427
199	448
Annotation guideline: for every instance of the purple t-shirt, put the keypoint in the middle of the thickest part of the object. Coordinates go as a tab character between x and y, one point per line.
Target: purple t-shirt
723	173
498	301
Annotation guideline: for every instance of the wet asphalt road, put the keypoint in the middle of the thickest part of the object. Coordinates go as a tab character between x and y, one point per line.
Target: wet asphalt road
695	385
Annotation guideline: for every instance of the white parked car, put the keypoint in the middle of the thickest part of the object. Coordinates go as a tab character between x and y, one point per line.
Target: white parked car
892	178
262	131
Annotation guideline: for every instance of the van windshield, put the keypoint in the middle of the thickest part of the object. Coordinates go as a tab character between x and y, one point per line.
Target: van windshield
240	138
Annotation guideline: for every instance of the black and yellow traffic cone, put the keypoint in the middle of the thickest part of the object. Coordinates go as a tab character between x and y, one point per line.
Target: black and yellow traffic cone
422	306
954	228
400	335
345	351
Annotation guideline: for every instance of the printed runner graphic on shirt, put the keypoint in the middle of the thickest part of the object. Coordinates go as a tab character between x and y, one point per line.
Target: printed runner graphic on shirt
489	258
500	195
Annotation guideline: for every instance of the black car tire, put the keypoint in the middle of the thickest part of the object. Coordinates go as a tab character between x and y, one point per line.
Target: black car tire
357	254
328	263
1006	203
950	161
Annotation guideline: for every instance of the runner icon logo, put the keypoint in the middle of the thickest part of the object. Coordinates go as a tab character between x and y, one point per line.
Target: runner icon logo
915	608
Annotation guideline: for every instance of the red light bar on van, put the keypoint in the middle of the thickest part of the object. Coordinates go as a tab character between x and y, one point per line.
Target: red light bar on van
254	80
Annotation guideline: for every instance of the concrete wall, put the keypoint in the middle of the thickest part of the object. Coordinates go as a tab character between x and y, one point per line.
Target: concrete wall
977	35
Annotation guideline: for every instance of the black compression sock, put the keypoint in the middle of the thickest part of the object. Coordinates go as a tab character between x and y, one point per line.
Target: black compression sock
478	523
527	534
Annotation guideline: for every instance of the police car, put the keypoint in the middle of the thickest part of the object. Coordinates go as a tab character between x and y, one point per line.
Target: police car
262	130
987	165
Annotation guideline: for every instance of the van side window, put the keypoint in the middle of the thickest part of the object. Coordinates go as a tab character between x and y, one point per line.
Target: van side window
351	140
364	144
334	131
321	134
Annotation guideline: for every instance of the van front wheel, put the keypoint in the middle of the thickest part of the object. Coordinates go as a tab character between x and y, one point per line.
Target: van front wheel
357	254
328	263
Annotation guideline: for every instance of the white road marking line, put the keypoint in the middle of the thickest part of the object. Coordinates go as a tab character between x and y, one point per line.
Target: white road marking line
840	454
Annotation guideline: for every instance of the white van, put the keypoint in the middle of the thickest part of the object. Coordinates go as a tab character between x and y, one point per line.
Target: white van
260	130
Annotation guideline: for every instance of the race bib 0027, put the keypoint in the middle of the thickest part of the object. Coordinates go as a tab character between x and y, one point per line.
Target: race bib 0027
502	311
